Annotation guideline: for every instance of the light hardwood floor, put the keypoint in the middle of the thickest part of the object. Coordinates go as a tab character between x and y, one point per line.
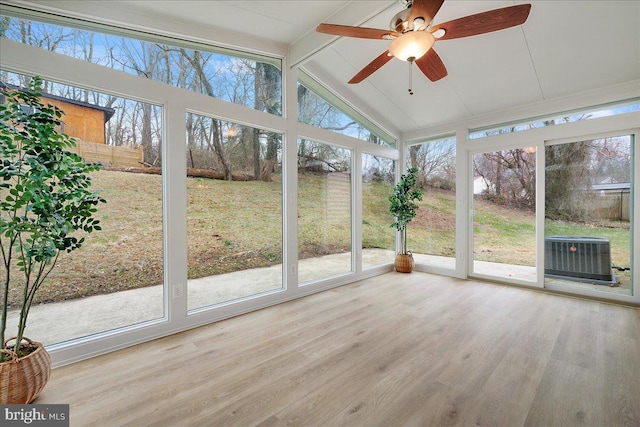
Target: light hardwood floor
394	350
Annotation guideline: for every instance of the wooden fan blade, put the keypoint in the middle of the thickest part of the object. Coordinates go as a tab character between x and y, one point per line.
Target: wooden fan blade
484	22
425	9
359	32
371	68
432	66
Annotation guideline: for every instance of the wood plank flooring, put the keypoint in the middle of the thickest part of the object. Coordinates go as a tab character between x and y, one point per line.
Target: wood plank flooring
395	350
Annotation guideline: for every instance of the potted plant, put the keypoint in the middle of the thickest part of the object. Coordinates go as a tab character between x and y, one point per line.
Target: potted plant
45	203
403	208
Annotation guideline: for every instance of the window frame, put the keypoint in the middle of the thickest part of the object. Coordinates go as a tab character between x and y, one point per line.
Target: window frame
331	98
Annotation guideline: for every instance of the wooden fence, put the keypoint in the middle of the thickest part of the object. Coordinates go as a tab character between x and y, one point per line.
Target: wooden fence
614	205
109	155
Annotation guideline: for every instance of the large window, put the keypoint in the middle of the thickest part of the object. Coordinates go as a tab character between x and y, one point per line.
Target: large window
234	211
319	107
588	214
116	278
378	237
432	238
249	80
558	119
324	210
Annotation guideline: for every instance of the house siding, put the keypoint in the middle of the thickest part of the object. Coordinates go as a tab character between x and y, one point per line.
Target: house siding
81	122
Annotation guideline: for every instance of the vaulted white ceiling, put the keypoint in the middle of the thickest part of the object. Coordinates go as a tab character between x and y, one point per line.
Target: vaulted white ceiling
565	47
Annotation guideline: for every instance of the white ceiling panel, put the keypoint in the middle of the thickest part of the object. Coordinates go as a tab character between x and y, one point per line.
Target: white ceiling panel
484	77
279	21
581	45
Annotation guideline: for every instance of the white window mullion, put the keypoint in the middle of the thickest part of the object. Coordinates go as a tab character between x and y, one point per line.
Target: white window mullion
635	218
174	178
464	187
356	210
540	213
290	180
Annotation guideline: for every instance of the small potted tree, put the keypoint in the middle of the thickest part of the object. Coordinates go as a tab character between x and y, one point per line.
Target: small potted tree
45	202
403	208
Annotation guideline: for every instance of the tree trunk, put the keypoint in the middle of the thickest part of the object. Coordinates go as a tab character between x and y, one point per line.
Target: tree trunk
255	143
146	137
216	137
191	172
271	83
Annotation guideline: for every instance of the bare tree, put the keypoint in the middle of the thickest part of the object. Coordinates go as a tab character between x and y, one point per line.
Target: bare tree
509	176
270	91
567	172
144	59
435	162
316	111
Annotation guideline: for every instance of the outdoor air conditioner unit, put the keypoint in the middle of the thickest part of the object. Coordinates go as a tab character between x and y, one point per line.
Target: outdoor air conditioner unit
585	259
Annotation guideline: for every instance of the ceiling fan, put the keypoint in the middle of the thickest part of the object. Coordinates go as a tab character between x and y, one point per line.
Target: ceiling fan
412	34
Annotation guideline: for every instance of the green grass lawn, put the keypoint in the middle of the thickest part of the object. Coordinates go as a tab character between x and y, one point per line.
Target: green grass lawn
238	225
503	234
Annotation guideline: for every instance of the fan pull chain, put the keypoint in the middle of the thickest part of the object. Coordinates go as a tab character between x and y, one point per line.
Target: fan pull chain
410	78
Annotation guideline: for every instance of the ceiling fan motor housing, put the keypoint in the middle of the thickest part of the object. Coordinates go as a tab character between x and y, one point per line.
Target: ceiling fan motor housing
400	21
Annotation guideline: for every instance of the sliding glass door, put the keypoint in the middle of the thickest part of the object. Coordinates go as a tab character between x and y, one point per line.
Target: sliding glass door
589	215
504	214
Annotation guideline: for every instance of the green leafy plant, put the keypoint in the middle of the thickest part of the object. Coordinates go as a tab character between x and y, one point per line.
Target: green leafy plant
45	200
403	206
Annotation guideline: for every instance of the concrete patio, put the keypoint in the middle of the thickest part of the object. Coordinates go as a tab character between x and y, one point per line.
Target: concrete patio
62	321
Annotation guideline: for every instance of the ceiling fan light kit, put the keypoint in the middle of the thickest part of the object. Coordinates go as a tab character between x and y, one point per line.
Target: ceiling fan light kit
411	45
413	35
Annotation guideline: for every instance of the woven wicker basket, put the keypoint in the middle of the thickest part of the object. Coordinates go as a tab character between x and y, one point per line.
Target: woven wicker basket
22	379
404	263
